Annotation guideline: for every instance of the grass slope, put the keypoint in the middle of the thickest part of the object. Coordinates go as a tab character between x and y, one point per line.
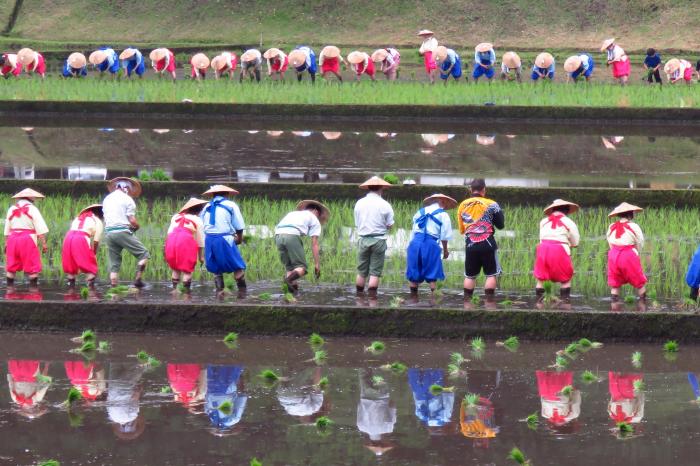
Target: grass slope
522	23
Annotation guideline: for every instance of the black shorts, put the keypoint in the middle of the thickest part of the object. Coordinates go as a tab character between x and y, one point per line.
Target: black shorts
477	260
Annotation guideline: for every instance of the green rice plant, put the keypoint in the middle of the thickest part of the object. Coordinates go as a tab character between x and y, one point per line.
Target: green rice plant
671	346
73	396
231	337
264	296
159	174
316	340
436	389
142	356
226	408
532	420
629	299
478	344
255	462
512	343
638	385
377	347
589	377
506	303
323	383
625	427
637	359
323	423
378	380
518	456
585	343
476	300
152	362
396	302
560	362
395	367
87	335
320	356
571	350
49	463
269	375
87	347
457	359
453	370
391	178
471	400
567	390
166	389
84	292
104	346
45	379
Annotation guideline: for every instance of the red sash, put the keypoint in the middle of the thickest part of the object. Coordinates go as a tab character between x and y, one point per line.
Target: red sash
19	211
619	229
556	222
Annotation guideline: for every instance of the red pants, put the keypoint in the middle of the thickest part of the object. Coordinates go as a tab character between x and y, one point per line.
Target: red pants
77	255
181	250
552	263
331	65
624	266
39	66
22	253
280	67
429	62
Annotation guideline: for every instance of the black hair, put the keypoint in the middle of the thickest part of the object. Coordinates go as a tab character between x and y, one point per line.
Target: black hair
374	188
651	51
98	211
2	60
565	209
195	210
477	185
315	207
627	215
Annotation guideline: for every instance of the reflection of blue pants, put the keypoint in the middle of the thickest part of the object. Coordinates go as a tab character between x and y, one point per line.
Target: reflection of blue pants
133	67
221	254
423	259
456	71
480	71
536	76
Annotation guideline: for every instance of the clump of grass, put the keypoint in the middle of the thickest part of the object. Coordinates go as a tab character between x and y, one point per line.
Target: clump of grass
476	300
73	397
396	367
153	362
560	362
269	375
506	303
226	408
87	346
471	400
391	178
289	298
265	296
49	463
85	292
478	344
629	299
671	346
378	380
512	343
87	335
589	377
396	302
323	383
377	347
104	346
118	290
567	390
147	360
532	420
231	338
142	356
585	343
637	359
453	370
320	356
638	385
457	359
518	456
316	340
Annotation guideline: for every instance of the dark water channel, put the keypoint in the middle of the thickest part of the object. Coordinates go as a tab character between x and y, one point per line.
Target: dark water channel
584	159
169	415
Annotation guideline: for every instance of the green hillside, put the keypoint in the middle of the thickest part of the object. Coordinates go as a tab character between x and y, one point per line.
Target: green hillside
666	24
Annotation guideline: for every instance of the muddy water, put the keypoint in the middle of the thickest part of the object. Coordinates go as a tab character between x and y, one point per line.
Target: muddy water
136	415
538	160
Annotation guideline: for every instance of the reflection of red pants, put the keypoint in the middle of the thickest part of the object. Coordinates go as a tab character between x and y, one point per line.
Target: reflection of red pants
550	383
22	253
624	266
77	255
621	386
552	263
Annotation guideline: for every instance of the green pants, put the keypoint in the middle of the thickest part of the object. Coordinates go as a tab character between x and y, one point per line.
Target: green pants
117	241
291	251
370	256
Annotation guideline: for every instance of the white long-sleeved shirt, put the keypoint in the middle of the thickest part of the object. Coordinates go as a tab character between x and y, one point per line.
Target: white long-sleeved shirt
632	235
192	223
565	232
23	222
428	45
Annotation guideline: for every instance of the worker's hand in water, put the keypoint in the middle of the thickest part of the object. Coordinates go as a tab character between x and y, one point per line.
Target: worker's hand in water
317	272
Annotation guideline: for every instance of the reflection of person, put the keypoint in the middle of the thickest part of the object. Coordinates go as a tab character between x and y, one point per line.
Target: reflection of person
625	238
558	408
478	421
123	396
376	413
428	49
119	211
24	228
329	60
374	217
431	410
301	397
626	404
26	390
87	377
80	245
185	242
225	384
694	385
188	382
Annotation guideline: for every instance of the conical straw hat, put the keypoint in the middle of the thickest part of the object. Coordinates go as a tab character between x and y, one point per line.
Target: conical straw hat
624	207
271	53
218	63
572	64
544	60
451	203
158	54
607	43
356	57
441	52
330	51
379	55
484	47
512	60
200	61
76	60
91	207
672	66
297	58
135	185
249	55
325	212
375	181
26	56
192	202
219	188
28	193
560	203
127	53
97	57
426	32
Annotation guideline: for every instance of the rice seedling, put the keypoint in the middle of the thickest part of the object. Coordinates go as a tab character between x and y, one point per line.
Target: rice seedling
506	303
585	343
436	389
476	300
152	362
511	343
289	298
255	462
323	423
378	380
478	344
87	347
391	178
264	296
84	292
49	463
377	347
104	346
560	362
453	370
589	377
471	400
457	359
671	346
73	397
532	420
226	408
567	390
87	335
231	337
269	375
638	385
142	356
316	340
323	383
629	299
395	367
518	456
396	302
45	379
571	350
320	356
625	427
637	359
166	389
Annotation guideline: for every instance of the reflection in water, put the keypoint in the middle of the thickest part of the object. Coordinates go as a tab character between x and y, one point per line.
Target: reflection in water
225	398
560	408
188	383
376	413
301	396
28	383
87	377
123	399
433	410
626	402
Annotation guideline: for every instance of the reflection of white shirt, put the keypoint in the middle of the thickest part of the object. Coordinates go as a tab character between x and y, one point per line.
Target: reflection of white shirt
373	216
299	223
117	207
375	417
297	403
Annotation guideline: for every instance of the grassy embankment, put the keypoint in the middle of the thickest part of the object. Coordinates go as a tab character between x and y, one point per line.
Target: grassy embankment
671	239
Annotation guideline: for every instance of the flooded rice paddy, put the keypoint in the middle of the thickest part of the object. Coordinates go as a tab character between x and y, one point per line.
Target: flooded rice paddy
530	158
206	404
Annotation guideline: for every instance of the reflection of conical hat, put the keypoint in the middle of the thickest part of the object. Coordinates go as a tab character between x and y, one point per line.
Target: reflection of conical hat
271	53
249	55
511	60
560	203
544	60
430	139
330	51
572	64
672	66
127	53
275	134
192	202
200	61
607	43
375	181
91	207
97	57
28	193
76	60
219	188
487	140
426	32
325	212
356	57
484	47
135	186
297	58
26	56
378	449
441	52
451	203
158	54
379	55
331	135
623	208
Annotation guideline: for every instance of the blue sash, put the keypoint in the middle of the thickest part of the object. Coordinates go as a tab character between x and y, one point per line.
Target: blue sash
211	208
422	221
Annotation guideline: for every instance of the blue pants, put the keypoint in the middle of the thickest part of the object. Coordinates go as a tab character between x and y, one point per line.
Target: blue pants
424	260
588	72
221	254
104	66
456	71
692	276
480	71
536	76
69	72
133	67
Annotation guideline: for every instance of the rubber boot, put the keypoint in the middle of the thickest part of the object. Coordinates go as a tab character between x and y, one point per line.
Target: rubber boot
490	295
34	282
372	292
91	284
539	294
219	283
694	294
175	282
414	291
565	295
289	281
187	285
10	281
138	281
71	283
359	289
468	293
242	287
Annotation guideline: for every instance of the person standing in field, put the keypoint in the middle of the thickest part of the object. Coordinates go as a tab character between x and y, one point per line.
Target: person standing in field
303	59
449	62
225	62
32	61
544	67
24	229
558	234
185	243
618	59
692	276
80	245
652	63
251	65
511	67
199	64
361	64
75	66
133	62
374	217
10	65
478	217
223	232
431	227
163	61
119	210
306	220
277	63
428	49
678	70
579	65
389	60
484	61
329	60
105	59
625	238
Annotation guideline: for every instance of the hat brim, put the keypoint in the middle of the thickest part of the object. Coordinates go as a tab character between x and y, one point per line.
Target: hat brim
484	47
633	209
376	182
356	57
451	203
192	203
135	190
325	211
572	207
219	190
330	51
28	193
426	32
91	207
127	53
